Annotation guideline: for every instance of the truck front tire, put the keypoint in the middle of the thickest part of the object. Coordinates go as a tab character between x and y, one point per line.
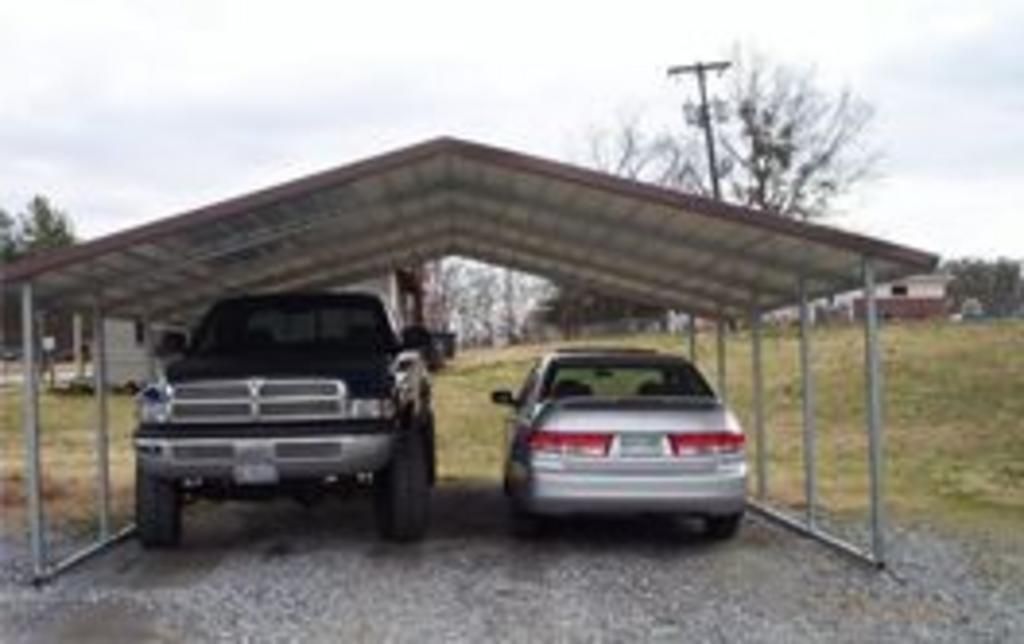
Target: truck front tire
402	490
157	510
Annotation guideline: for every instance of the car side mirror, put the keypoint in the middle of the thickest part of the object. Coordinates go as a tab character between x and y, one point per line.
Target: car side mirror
416	338
503	397
171	344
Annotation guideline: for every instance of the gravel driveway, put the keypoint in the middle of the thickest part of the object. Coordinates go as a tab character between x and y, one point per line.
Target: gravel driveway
281	572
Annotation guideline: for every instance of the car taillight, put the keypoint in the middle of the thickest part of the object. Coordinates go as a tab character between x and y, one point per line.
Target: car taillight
589	444
706	443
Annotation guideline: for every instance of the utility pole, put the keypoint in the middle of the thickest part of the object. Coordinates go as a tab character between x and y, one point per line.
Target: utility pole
700	69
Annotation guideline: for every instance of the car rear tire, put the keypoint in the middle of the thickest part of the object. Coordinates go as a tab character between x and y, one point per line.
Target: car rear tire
724	527
402	491
157	510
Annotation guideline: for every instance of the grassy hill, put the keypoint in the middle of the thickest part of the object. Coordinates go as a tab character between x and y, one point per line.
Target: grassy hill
954	428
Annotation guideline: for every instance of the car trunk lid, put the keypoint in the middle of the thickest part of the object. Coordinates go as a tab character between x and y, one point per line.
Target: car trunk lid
639	434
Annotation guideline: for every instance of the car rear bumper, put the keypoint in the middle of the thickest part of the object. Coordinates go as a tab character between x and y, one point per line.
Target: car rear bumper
718	493
298	457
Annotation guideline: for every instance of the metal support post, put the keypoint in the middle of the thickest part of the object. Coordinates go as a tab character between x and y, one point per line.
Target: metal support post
720	340
873	381
692	321
76	341
873	556
30	425
150	349
807	378
99	372
758	399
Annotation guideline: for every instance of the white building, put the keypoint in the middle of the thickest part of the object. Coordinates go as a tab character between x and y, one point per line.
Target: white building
917	297
914	298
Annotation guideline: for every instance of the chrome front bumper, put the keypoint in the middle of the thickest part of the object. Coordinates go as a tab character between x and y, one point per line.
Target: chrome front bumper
287	458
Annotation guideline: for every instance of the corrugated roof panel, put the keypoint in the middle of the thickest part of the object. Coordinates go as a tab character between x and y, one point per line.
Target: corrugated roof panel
447	194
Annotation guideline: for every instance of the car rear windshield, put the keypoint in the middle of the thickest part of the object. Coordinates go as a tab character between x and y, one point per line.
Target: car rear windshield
318	325
625	380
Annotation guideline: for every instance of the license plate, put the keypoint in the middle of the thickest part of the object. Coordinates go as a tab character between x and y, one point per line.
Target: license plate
641	445
255	474
254	465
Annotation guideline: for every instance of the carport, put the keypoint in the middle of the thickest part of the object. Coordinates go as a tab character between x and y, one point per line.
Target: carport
451	197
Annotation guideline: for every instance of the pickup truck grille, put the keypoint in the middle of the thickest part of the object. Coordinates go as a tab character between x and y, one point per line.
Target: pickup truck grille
274	389
255	400
212	391
300	408
212	408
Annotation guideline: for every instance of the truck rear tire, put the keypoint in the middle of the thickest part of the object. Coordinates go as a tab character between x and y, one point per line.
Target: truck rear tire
402	491
157	511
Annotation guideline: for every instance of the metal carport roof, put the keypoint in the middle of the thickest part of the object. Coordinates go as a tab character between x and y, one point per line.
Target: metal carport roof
448	196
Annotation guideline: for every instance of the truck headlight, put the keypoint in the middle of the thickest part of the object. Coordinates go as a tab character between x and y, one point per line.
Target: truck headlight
371	408
153	404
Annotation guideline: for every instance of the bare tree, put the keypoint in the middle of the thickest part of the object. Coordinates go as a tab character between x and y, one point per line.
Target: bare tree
633	150
791	148
483	304
440	292
522	295
509	306
628	150
482	299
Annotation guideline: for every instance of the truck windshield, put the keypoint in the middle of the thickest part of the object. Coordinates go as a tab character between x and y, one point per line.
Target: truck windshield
319	325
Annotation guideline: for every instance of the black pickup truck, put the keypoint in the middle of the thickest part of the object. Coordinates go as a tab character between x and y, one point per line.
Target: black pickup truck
288	394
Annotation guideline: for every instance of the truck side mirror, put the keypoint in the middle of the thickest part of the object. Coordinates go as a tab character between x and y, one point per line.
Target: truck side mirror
171	344
416	338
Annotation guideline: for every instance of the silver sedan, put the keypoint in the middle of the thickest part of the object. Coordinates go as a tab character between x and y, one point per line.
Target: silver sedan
622	432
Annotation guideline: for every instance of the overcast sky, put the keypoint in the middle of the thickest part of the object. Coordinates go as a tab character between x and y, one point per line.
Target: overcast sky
124	112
